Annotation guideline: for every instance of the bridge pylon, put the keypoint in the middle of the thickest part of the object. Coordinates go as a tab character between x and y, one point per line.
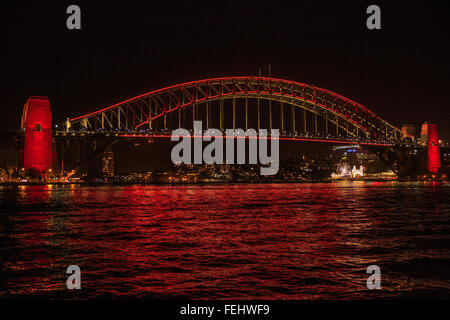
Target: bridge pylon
430	137
36	124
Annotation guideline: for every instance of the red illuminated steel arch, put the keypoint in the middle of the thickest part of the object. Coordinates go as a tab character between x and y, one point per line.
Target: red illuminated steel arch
139	112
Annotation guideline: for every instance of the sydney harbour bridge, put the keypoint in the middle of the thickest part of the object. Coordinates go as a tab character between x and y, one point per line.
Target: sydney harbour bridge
300	112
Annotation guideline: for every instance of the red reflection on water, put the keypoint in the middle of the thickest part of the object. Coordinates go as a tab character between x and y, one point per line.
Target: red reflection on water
269	241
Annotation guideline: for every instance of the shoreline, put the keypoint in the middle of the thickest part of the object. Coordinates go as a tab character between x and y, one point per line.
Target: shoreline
210	182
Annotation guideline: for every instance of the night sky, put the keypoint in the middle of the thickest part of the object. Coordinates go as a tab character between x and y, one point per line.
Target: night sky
126	48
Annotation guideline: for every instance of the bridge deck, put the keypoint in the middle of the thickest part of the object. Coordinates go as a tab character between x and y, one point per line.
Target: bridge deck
142	134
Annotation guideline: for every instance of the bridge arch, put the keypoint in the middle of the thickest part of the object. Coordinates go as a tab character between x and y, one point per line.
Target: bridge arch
141	112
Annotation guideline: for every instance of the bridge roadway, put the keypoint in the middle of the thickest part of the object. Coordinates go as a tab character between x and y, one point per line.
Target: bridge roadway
146	134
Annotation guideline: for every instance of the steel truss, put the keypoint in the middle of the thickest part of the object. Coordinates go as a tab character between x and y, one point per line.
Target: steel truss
141	112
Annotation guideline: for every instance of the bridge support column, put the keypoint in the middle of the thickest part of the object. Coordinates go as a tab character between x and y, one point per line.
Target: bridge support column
193	116
281	117
207	115
246	113
270	113
150	114
315	124
259	120
346	123
293	120
337	126
221	114
234	113
304	121
118	117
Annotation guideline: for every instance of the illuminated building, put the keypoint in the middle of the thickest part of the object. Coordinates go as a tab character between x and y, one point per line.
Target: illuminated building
409	129
108	164
357	172
343	171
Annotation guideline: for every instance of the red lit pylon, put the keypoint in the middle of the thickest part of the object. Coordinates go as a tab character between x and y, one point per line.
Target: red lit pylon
37	124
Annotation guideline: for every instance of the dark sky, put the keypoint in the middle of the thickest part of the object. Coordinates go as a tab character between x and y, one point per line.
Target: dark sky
127	48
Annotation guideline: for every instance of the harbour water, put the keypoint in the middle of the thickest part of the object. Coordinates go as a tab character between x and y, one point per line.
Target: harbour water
241	241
